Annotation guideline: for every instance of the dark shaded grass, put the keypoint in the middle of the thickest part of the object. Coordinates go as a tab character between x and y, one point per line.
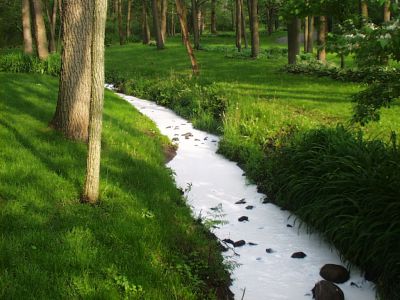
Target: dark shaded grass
139	242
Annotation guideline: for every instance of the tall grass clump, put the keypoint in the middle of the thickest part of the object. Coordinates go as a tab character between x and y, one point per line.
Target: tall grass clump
22	63
348	189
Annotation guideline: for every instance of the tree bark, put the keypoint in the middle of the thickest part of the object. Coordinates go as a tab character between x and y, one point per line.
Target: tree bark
322	30
129	21
364	10
293	40
195	24
238	22
26	26
255	39
386	11
213	17
181	12
173	29
52	22
270	20
310	39
306	29
164	10
145	24
243	25
92	181
120	27
40	30
156	25
72	112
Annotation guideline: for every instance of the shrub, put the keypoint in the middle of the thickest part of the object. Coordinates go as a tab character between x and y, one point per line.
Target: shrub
22	63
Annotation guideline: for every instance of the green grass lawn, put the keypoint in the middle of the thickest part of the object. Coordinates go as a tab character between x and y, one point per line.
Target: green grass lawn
139	242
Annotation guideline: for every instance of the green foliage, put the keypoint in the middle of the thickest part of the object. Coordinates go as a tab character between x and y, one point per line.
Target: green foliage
22	63
347	188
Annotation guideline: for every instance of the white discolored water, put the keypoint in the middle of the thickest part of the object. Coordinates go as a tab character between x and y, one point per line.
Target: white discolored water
214	185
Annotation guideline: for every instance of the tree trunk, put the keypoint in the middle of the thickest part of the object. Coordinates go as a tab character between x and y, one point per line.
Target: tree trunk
181	12
164	11
52	22
310	39
213	18
120	27
322	30
72	112
92	181
238	22
243	25
195	24
293	40
40	30
386	11
26	25
255	40
306	29
173	29
270	20
129	21
156	25
364	10
145	24
60	27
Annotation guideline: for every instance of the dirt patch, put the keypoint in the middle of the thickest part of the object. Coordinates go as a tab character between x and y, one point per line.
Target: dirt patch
169	151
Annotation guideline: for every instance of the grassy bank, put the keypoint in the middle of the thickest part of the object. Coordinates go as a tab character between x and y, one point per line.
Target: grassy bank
140	242
266	126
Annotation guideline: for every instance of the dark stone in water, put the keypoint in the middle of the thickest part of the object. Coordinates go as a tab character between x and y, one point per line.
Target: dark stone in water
213	141
334	273
168	127
354	284
239	243
269	250
266	200
206	138
243	219
241	201
289	226
298	255
228	241
253	244
249	207
175	139
325	290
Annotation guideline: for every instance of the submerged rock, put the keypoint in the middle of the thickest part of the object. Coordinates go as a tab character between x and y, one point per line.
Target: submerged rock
239	243
243	219
334	273
241	201
298	255
229	241
325	290
269	250
249	207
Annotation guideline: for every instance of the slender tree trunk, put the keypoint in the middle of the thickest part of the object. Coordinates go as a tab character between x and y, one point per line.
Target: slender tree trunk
156	25
72	112
322	30
173	29
145	24
386	11
233	17
213	17
26	26
92	180
364	10
164	11
181	12
270	20
52	22
310	39
306	29
120	27
40	30
129	21
255	39
246	45
195	24
238	25
293	40
60	27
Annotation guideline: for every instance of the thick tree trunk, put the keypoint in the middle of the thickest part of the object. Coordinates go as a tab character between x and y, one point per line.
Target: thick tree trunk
306	29
293	40
92	180
322	30
213	17
238	22
255	39
195	24
129	21
364	10
120	27
164	11
156	25
181	12
145	24
72	112
52	22
40	30
243	17
310	39
386	11
26	26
